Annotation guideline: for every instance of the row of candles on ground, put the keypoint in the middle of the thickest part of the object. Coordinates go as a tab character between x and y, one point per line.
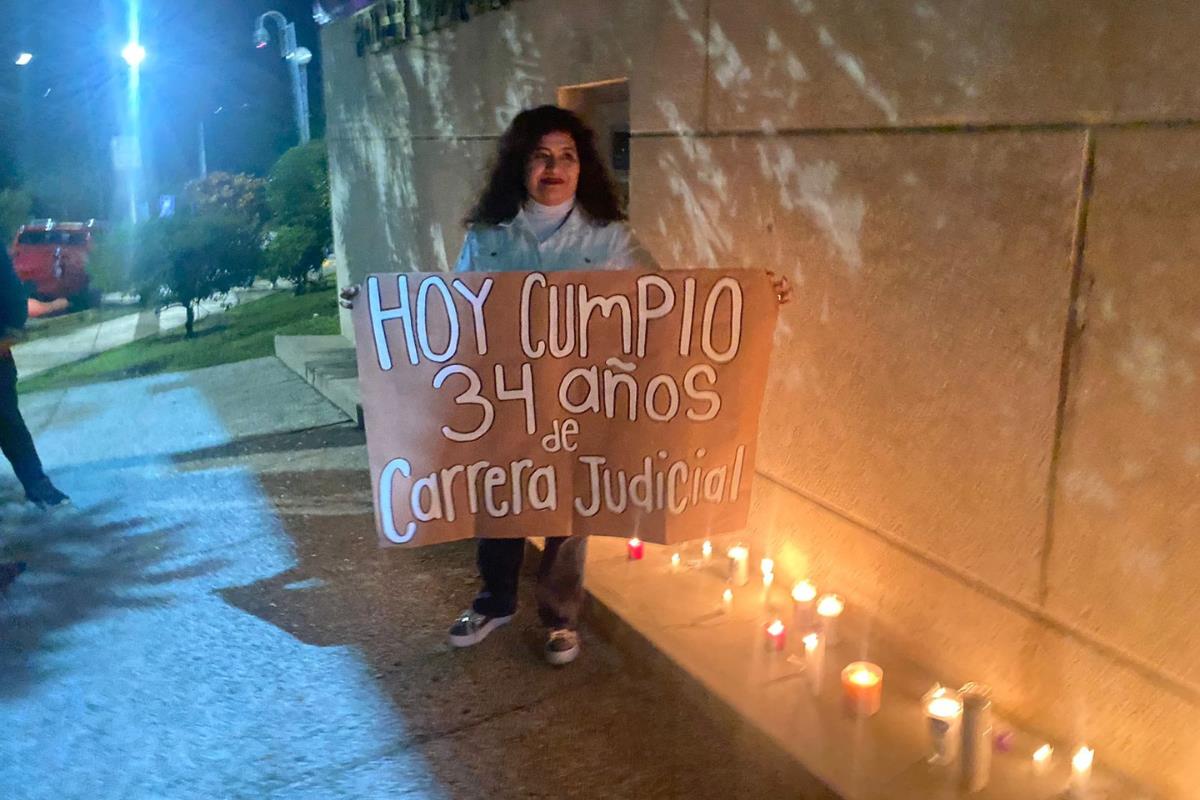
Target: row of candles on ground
959	722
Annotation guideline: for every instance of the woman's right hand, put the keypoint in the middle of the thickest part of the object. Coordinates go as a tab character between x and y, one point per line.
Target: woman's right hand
347	296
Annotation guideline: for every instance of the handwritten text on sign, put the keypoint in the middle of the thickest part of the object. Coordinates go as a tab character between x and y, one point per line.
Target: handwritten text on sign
565	403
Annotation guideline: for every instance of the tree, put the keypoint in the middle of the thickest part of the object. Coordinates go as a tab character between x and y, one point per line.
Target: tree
294	252
301	219
243	196
182	259
207	254
298	190
15	207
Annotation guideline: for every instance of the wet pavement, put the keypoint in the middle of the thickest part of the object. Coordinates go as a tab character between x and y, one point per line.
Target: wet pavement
213	619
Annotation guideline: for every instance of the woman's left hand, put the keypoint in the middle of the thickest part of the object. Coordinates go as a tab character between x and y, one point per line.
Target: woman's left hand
782	287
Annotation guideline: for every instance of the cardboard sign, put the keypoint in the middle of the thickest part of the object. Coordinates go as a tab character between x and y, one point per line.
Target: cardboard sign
564	403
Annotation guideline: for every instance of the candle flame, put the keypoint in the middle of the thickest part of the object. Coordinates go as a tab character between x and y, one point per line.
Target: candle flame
775	628
707	548
1043	753
767	565
811	642
864	674
831	606
739	552
944	707
804	592
727	596
1082	760
674	559
634	542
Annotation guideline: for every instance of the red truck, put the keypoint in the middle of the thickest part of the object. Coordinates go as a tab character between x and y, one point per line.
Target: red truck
50	258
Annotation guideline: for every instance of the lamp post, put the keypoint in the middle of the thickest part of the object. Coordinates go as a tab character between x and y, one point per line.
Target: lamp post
297	59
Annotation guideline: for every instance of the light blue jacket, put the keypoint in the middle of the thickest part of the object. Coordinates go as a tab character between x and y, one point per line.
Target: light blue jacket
580	243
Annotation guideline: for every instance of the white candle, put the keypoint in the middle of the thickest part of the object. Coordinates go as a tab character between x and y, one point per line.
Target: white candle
814	661
804	596
767	565
1081	771
829	609
1042	759
943	716
739	565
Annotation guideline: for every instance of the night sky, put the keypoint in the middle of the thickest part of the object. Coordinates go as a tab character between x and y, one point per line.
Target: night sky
58	115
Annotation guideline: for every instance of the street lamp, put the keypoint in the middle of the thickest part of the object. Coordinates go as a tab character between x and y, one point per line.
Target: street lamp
23	59
134	54
297	59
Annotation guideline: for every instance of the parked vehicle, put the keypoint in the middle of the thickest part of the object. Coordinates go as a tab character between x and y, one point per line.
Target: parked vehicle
51	257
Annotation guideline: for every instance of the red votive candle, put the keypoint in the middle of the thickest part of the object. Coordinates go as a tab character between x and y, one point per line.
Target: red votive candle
776	636
637	549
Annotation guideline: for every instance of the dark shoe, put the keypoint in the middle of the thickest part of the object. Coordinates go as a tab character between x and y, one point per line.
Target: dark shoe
472	628
9	572
562	647
45	494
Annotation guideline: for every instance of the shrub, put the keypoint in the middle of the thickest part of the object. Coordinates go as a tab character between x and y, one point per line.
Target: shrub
294	252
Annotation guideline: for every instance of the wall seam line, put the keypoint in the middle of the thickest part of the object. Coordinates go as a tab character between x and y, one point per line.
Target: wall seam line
1065	126
1070	339
1148	671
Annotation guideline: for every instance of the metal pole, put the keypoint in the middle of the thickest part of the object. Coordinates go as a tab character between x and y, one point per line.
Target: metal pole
203	153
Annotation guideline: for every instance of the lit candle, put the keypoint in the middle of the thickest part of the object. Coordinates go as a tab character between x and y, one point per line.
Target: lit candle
767	565
829	609
739	565
674	561
862	688
1081	771
727	599
706	550
1042	759
804	595
943	714
636	549
776	636
814	661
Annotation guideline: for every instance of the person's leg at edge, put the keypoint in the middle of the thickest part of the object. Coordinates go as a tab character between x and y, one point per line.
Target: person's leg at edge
15	440
499	562
560	595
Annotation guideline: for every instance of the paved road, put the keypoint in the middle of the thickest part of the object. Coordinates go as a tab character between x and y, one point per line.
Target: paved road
214	620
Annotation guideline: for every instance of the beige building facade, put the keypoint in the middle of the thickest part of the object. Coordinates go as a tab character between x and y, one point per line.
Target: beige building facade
983	414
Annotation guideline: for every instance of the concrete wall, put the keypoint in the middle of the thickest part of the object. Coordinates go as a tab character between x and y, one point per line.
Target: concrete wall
1011	488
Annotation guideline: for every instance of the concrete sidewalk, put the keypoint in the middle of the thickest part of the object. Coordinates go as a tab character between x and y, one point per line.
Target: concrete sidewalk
41	355
214	619
678	614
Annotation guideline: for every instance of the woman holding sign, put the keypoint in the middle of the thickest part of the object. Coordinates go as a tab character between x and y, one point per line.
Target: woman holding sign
548	205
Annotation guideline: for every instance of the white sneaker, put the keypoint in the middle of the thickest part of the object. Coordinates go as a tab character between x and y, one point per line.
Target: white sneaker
472	628
562	647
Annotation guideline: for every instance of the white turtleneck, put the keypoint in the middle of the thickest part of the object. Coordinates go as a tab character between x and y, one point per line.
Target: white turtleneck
545	220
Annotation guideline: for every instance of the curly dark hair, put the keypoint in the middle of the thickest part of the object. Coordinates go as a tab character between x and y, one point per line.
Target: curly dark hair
505	191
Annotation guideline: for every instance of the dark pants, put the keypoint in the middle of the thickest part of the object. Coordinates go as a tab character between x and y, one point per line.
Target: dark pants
559	580
15	440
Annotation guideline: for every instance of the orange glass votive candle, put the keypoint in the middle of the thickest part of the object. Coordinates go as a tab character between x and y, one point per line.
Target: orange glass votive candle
862	688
